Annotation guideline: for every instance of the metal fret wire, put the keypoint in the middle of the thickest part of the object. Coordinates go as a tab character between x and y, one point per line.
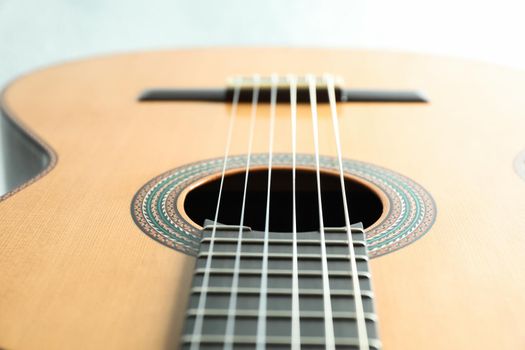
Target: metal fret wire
197	329
328	320
361	322
261	320
230	323
296	325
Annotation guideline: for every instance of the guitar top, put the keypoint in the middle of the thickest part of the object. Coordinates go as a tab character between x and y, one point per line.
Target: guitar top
246	199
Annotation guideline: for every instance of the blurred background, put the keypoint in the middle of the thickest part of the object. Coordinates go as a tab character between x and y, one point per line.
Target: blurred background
37	33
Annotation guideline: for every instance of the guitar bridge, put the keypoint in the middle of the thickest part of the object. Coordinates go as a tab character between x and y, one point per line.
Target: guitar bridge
247	85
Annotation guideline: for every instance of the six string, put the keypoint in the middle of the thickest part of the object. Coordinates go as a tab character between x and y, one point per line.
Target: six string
197	328
296	325
328	320
261	322
361	322
230	322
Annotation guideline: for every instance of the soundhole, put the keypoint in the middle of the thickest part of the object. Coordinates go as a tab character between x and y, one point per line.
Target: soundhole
364	203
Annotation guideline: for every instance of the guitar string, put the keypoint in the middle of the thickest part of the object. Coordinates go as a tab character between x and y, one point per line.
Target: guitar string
328	320
230	323
296	325
361	322
261	321
197	328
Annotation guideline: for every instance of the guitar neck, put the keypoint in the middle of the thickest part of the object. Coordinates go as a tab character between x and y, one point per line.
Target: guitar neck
228	287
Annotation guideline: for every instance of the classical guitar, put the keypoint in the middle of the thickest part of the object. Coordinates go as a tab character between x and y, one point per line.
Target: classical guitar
248	199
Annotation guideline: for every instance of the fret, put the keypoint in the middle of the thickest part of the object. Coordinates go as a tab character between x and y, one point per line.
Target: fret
286	272
209	342
285	314
279	291
283	255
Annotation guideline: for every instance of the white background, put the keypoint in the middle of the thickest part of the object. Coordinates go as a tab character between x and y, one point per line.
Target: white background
34	33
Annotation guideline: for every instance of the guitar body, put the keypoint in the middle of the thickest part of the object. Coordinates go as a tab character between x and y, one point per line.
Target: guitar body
77	273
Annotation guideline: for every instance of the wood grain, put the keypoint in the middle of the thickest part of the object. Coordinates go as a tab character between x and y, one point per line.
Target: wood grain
76	273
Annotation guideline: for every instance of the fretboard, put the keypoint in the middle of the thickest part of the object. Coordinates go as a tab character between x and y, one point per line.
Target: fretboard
212	331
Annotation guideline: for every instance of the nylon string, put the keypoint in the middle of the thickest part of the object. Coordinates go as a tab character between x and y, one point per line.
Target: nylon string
261	321
296	325
328	320
197	328
360	315
230	322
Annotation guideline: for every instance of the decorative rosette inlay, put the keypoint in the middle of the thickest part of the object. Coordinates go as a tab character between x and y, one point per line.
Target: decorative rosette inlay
411	211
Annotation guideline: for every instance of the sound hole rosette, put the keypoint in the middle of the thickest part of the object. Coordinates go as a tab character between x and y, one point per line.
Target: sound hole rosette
410	210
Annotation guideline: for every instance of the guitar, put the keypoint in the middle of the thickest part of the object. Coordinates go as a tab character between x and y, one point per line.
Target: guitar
210	199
